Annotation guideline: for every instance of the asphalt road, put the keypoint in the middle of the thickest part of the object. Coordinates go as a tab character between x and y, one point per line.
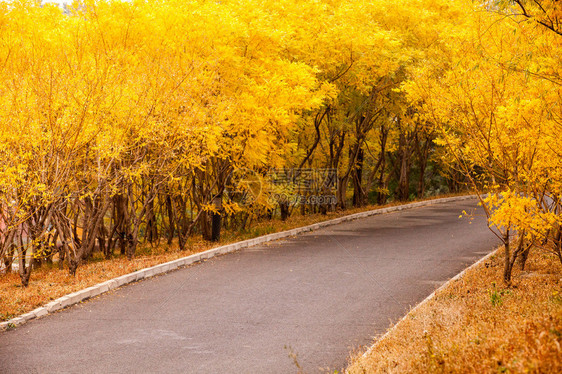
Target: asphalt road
309	299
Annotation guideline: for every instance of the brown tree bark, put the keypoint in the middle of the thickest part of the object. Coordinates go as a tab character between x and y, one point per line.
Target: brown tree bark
358	191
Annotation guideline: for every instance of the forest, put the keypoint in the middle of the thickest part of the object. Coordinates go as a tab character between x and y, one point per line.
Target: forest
129	122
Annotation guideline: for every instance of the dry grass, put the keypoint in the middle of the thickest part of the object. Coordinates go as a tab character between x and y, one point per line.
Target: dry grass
475	325
48	282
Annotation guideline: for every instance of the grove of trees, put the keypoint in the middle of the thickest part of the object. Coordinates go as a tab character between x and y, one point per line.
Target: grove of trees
123	122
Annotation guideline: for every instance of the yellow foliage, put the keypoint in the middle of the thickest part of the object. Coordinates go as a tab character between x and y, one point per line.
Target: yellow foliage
493	92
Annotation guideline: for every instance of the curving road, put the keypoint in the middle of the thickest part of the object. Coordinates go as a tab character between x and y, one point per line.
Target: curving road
305	301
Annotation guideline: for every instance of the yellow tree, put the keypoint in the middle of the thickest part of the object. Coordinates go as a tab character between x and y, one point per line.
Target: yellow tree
494	101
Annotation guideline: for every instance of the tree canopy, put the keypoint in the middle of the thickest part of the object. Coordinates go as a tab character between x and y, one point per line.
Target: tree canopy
124	121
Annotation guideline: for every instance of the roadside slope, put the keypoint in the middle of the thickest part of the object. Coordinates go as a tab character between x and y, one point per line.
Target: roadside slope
476	325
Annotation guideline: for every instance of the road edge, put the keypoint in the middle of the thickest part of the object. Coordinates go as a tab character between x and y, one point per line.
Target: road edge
426	300
112	284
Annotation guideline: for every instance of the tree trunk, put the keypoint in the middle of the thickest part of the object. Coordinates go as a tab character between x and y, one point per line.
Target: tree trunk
24	267
171	218
423	155
358	192
404	180
121	221
382	187
284	209
206	228
506	269
151	224
341	192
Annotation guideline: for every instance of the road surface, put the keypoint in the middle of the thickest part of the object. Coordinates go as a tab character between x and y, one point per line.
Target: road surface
307	301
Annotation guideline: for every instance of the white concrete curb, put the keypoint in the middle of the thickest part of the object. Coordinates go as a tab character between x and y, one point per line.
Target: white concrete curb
424	301
100	288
